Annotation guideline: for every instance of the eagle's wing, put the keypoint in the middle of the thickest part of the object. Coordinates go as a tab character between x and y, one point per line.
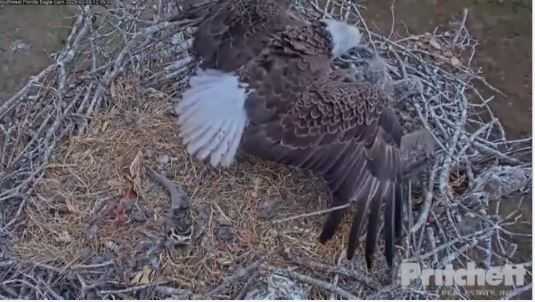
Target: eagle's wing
235	31
344	132
212	114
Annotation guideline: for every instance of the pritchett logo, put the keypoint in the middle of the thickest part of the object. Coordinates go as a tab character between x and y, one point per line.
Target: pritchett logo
507	275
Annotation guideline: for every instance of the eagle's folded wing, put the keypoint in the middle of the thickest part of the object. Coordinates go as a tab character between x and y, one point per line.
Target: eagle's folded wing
344	132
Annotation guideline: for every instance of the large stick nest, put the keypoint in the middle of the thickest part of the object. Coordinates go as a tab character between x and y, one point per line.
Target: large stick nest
90	159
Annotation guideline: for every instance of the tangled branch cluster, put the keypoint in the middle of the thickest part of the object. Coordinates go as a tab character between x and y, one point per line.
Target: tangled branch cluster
451	219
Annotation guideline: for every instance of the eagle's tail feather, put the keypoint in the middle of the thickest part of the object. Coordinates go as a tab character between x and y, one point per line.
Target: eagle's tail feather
212	116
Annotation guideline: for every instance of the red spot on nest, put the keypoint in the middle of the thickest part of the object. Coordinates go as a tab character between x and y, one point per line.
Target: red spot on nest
120	212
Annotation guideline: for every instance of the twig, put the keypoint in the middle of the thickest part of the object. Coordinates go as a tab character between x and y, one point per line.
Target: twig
357	11
315	282
131	289
461	27
393	12
315	213
179	200
243	292
518	291
336	276
238	274
342	270
92	266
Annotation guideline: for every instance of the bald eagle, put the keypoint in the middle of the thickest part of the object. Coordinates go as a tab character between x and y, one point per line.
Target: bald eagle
290	105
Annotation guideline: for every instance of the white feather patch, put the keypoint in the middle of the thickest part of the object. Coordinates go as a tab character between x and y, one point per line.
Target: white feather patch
344	36
212	116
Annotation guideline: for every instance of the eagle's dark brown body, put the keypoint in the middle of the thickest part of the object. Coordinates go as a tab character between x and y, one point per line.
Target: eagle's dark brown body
290	105
304	113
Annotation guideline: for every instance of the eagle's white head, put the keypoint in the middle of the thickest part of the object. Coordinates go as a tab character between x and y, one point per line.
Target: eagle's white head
343	35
